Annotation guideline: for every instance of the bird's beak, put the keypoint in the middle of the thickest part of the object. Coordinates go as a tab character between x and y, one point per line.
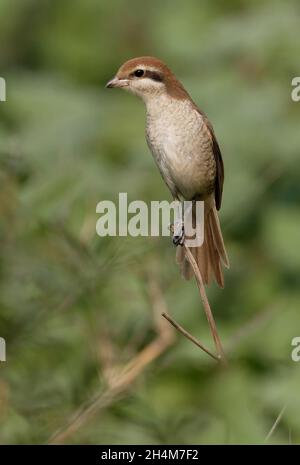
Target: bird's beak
116	82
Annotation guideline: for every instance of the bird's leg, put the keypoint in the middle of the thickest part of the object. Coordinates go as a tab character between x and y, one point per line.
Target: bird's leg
178	227
178	233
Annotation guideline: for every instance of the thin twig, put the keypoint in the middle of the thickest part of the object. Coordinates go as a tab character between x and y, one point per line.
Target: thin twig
206	305
188	335
275	424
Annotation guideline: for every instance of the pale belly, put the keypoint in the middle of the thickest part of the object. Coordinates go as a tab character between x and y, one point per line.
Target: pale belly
183	152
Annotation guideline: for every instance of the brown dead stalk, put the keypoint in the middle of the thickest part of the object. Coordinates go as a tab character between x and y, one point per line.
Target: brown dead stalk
119	380
188	335
209	315
207	309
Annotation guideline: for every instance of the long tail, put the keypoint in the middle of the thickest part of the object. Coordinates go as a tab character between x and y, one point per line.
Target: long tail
210	255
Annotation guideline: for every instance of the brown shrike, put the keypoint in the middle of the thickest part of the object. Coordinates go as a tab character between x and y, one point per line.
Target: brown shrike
186	151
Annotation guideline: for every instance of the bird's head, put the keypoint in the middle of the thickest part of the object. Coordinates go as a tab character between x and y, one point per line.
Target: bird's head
147	77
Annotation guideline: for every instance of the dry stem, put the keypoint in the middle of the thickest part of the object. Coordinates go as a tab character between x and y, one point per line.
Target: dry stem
188	335
207	309
274	426
120	380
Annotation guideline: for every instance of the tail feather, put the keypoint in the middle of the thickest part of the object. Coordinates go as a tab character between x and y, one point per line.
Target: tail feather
214	257
217	236
210	255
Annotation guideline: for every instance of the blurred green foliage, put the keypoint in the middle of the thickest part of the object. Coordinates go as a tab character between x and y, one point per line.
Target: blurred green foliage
66	143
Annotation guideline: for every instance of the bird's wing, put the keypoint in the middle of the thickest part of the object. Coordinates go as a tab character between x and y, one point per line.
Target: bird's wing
219	166
218	159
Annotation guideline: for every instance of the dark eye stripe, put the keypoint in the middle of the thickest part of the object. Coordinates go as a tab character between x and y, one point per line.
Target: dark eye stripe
153	75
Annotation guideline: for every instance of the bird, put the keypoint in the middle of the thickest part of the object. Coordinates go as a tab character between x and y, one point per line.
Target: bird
184	146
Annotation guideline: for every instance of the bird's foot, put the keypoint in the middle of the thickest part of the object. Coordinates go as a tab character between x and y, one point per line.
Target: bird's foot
178	233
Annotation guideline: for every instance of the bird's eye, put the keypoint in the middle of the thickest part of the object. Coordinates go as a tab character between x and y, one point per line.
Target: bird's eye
139	73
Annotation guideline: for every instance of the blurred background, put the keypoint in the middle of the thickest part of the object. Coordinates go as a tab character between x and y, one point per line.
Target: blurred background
89	359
